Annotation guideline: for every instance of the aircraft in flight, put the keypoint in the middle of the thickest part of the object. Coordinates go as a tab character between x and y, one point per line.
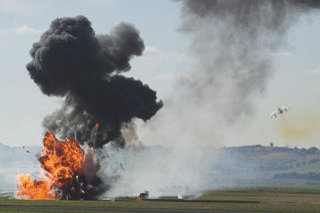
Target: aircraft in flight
279	111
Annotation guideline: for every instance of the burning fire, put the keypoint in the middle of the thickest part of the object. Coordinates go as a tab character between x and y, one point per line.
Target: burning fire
34	190
62	161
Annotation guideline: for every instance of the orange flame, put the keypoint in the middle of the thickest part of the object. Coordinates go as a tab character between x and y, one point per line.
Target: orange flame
34	190
62	160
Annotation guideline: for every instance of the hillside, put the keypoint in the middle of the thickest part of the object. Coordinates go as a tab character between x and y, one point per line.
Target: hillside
281	165
229	166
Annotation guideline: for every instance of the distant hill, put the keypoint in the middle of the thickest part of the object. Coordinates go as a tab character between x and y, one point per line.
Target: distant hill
14	161
279	164
10	156
276	158
232	166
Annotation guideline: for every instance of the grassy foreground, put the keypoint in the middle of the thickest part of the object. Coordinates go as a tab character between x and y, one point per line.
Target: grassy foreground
256	200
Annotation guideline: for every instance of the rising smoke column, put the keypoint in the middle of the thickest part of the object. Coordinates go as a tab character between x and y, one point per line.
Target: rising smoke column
71	61
234	41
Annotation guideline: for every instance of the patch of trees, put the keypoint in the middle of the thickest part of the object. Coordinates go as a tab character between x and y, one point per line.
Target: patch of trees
303	176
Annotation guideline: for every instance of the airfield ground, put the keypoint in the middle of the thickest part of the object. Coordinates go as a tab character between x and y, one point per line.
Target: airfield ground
259	199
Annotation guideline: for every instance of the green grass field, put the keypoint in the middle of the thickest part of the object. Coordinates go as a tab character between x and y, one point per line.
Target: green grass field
263	199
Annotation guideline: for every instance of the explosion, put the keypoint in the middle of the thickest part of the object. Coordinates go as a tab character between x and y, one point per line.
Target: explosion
34	190
71	61
62	162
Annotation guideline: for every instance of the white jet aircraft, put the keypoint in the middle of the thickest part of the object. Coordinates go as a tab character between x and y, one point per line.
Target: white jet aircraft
279	111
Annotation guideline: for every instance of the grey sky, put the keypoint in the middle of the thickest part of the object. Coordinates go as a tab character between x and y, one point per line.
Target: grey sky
295	81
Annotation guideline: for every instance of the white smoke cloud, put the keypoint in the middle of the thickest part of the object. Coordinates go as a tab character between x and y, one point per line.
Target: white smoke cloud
233	43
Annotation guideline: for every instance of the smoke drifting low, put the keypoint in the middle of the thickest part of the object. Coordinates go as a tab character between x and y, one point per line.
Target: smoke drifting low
233	43
71	61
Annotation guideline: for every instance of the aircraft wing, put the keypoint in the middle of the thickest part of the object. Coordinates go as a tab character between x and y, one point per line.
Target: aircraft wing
273	114
285	109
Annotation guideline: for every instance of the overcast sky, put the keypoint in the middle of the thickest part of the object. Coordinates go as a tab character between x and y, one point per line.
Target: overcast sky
295	81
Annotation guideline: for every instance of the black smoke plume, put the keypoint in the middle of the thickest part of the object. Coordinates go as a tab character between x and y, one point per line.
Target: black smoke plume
71	61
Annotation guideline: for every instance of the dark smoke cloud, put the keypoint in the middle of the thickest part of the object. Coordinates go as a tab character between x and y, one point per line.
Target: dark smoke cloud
234	42
71	61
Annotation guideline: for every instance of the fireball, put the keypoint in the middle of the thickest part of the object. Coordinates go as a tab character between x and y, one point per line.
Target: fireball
62	162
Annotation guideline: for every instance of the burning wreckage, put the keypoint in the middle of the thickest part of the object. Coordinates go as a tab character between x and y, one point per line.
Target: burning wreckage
63	162
144	195
72	62
69	172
